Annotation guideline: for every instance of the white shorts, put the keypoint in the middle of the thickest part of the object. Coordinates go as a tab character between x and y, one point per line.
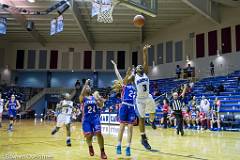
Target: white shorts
145	105
63	119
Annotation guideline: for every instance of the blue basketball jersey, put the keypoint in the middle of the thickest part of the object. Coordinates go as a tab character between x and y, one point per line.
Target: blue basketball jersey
90	108
12	105
128	93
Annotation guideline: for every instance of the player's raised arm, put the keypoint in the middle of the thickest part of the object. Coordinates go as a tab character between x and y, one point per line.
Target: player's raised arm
128	75
99	99
83	91
145	58
184	90
18	105
116	71
6	105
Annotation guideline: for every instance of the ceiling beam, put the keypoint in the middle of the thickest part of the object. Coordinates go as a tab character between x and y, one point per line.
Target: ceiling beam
207	8
81	23
23	20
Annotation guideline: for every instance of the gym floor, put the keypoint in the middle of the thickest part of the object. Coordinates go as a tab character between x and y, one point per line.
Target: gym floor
32	139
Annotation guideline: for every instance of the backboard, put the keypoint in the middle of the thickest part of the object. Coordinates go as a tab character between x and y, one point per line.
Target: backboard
148	7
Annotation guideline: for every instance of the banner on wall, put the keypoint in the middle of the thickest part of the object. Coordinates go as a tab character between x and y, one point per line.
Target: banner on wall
113	119
109	119
104	118
56	25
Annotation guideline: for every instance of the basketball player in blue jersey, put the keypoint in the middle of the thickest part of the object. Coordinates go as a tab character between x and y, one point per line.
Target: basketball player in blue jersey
65	109
91	118
126	111
12	106
144	100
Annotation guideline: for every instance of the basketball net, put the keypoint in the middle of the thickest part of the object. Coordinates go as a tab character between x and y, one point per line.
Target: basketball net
104	9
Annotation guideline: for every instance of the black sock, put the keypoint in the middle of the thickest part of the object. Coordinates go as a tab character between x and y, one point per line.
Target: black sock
144	136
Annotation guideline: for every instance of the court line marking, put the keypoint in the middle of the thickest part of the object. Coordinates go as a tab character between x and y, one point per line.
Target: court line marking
156	152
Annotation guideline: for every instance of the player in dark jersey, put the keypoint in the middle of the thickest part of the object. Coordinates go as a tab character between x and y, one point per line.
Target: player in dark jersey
12	106
91	118
126	112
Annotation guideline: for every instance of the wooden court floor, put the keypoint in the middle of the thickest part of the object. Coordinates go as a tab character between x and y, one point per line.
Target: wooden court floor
33	140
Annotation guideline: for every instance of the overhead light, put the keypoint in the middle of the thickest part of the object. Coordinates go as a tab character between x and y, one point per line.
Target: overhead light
31	1
63	8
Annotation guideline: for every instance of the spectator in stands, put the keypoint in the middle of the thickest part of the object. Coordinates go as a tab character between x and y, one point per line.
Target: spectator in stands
204	112
156	89
192	103
178	71
165	110
193	112
212	70
77	84
209	88
189	71
214	116
204	105
219	89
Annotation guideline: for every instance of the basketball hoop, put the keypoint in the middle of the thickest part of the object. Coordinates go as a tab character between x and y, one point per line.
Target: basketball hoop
104	9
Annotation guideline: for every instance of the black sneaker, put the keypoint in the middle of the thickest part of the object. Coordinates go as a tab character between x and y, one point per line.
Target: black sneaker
153	125
145	142
182	132
177	132
69	143
53	132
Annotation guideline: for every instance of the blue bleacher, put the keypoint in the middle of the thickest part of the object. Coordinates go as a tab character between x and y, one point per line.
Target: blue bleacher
230	98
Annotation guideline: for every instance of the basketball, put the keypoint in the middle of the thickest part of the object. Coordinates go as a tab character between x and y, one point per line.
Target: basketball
138	21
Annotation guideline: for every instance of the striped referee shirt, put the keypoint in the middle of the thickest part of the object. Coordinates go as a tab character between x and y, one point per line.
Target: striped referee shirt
176	105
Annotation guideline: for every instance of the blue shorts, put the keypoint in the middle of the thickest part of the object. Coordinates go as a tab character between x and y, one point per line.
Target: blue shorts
91	125
12	113
127	114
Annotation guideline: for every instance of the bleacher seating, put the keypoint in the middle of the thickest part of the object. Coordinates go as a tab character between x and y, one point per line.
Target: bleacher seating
23	94
230	97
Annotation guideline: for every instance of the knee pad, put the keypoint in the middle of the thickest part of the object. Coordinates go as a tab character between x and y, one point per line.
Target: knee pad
11	118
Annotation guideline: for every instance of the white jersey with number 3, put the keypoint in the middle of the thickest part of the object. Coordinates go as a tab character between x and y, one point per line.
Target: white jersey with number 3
142	85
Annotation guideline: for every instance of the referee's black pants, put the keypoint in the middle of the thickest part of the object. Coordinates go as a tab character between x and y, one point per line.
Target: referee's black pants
179	120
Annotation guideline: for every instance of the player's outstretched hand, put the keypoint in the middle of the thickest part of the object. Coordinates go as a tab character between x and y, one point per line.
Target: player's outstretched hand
113	63
87	81
146	46
185	85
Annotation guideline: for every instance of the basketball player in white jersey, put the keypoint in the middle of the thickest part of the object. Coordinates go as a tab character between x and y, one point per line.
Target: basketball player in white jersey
65	117
1	109
144	100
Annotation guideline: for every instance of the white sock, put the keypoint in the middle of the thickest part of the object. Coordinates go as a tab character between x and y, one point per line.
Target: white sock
142	133
119	143
128	144
68	138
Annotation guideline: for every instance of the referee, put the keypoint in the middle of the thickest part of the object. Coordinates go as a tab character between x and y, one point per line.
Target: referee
176	105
